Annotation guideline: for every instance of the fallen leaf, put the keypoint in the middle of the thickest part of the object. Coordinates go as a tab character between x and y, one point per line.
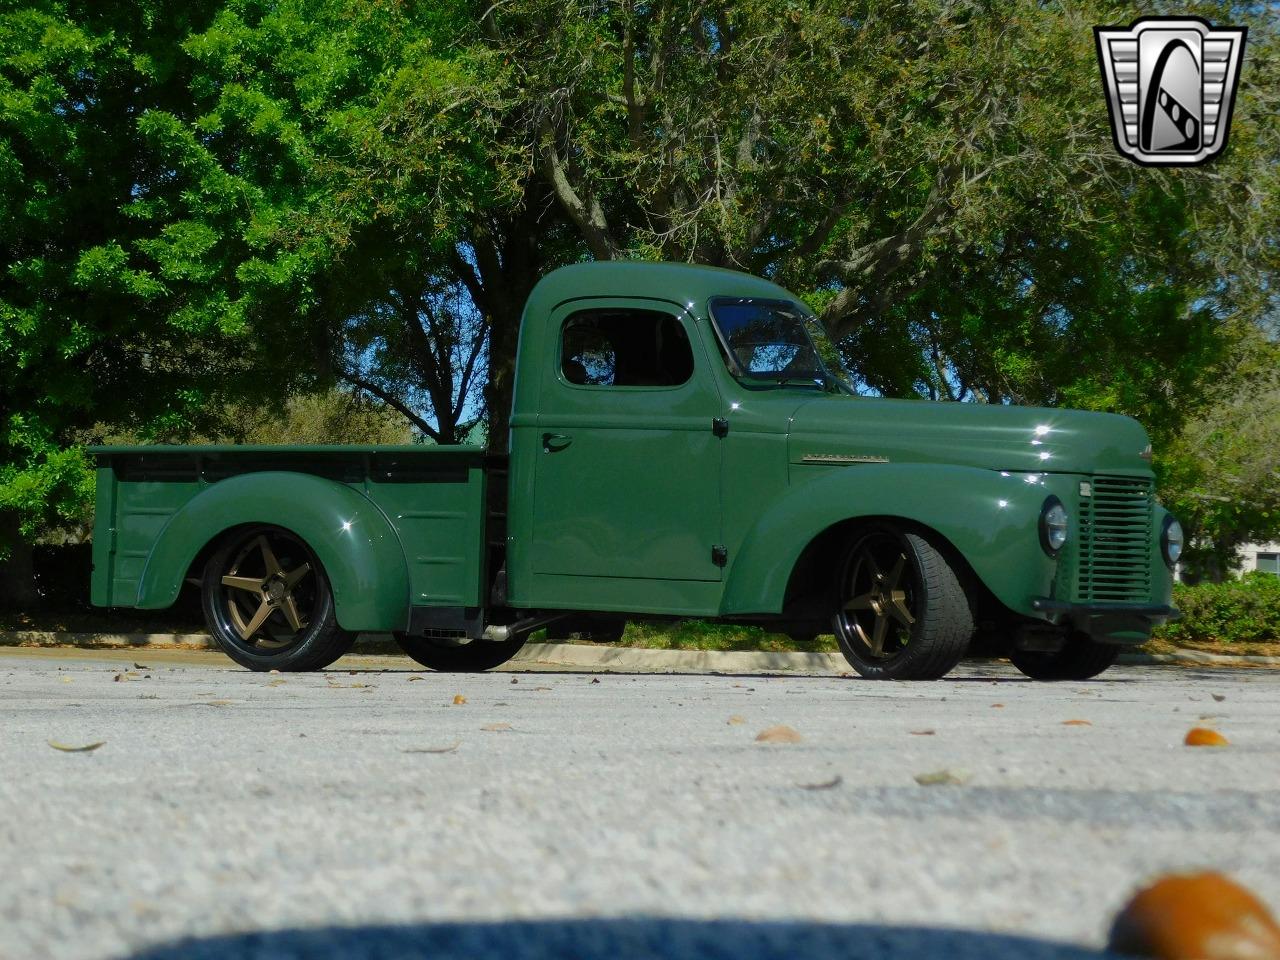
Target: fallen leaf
1195	916
779	734
1218	696
273	671
824	785
66	748
448	749
141	666
940	778
997	706
123	676
735	720
497	727
922	733
217	703
595	679
1077	723
411	679
1204	737
459	699
277	683
66	679
515	679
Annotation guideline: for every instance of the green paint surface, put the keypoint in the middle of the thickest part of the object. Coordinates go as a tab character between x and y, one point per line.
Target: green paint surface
617	495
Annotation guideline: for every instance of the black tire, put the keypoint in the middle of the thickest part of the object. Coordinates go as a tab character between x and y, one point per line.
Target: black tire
470	656
902	587
299	627
1080	659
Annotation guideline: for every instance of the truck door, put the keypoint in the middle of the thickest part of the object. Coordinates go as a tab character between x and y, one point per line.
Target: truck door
627	482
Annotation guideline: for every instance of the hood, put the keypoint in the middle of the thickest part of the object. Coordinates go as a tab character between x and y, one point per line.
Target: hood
843	429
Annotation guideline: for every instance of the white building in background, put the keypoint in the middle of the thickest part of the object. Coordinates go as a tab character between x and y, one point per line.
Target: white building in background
1260	556
1253	556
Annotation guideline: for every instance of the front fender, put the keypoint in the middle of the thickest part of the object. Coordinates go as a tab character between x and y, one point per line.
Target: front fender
360	551
988	516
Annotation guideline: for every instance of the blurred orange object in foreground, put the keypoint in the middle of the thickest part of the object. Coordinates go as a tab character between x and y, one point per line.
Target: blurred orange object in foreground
1196	916
1204	737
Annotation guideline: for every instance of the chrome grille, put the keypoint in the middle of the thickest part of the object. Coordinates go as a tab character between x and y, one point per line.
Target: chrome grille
1115	540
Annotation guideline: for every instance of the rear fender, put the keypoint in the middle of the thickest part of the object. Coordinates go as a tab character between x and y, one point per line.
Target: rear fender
989	517
354	541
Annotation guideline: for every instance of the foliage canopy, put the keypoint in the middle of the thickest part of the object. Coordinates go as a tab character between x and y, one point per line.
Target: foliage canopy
236	201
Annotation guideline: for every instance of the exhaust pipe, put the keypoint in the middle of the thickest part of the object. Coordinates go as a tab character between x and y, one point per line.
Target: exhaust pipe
509	631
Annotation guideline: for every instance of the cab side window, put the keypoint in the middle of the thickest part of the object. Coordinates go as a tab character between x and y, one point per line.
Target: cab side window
625	348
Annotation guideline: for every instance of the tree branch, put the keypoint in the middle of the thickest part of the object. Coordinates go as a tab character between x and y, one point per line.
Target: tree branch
587	215
391	401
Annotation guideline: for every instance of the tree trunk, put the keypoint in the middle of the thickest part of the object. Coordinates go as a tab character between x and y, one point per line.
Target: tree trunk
17	571
504	333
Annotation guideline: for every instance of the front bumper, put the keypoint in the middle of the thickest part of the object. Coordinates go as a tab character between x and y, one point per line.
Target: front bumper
1116	622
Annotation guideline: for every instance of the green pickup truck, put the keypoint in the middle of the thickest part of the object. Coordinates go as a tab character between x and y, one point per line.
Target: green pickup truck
684	443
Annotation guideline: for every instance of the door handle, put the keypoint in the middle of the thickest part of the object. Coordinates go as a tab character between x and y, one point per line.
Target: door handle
551	442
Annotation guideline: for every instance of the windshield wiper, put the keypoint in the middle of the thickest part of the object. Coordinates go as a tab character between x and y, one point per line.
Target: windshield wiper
812	380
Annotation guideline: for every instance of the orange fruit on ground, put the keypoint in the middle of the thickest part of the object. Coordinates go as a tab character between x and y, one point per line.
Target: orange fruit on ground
1196	916
1204	737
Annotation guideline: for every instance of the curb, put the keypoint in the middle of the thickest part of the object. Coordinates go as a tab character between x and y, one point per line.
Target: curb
583	656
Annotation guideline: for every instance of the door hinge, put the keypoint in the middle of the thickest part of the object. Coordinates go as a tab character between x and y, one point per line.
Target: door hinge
719	555
720	427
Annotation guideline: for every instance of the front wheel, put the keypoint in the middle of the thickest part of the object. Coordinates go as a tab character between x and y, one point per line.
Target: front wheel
469	656
1081	658
269	605
903	612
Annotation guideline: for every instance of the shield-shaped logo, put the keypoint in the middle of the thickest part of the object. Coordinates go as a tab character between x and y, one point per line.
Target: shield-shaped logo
1170	85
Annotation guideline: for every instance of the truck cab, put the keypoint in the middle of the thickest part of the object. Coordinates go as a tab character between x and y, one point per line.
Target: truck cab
684	443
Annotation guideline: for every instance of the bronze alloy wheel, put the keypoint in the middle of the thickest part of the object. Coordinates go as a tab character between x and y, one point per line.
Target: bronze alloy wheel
903	614
269	604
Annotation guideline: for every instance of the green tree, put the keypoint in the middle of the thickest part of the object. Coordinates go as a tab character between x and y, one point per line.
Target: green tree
1221	476
937	178
79	339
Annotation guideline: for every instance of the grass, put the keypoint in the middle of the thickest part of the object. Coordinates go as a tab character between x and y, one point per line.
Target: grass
683	635
703	635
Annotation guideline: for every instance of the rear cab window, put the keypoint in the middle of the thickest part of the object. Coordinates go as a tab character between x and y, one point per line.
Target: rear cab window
624	347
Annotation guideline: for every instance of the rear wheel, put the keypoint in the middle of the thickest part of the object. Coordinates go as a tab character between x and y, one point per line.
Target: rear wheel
269	605
903	611
466	656
1081	658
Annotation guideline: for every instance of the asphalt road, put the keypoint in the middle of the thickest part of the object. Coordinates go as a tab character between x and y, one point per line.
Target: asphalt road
603	816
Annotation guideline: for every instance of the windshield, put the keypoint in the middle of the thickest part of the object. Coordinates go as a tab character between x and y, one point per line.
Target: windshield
777	342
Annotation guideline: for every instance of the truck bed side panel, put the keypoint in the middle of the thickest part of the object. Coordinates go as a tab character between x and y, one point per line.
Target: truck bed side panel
141	497
437	508
432	498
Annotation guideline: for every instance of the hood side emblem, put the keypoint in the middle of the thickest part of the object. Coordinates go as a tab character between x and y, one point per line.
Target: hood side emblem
842	458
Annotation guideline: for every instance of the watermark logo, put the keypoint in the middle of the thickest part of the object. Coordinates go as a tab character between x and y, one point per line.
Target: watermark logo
1170	84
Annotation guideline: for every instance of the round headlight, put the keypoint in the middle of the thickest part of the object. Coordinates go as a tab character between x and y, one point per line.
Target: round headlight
1171	540
1054	526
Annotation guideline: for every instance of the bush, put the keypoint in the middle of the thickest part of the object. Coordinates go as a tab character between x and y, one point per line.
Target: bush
1236	611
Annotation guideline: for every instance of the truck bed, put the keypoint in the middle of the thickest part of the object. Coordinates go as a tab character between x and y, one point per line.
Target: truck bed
434	498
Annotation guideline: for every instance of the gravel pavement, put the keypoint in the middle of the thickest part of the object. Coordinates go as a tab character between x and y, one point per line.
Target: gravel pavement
368	815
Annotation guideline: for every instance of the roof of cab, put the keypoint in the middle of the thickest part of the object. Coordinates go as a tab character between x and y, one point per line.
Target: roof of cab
682	283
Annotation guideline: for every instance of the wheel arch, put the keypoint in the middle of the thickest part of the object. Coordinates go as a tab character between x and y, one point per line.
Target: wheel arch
354	541
983	520
824	555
